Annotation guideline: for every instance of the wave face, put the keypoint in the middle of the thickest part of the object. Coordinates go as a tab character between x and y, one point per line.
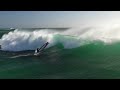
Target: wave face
19	40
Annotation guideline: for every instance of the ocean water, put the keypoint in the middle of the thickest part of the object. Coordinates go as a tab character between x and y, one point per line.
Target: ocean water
72	53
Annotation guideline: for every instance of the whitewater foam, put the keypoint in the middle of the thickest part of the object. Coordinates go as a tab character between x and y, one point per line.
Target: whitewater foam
19	40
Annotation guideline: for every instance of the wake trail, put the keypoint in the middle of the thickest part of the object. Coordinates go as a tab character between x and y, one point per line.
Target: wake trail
22	55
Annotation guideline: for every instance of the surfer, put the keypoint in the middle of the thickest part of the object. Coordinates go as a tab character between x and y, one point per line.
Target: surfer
39	50
0	47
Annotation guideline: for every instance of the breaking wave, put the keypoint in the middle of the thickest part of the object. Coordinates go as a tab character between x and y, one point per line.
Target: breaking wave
19	40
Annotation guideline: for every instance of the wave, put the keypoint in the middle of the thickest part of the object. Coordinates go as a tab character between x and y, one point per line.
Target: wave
19	40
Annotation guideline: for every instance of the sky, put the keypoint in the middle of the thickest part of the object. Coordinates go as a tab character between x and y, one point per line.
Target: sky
37	19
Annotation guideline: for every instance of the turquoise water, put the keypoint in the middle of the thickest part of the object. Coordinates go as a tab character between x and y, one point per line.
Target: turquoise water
95	60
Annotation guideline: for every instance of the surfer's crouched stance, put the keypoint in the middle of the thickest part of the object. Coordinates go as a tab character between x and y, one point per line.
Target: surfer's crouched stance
39	50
